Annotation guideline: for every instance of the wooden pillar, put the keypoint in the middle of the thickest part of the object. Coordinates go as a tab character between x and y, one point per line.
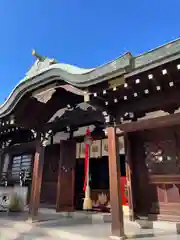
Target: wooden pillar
36	181
117	226
128	162
66	176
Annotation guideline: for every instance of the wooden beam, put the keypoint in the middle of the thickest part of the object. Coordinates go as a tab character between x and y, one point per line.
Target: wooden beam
145	104
117	226
98	103
140	125
129	172
36	181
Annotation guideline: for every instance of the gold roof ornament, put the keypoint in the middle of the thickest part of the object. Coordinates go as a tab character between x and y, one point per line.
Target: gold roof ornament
38	56
41	63
33	52
42	58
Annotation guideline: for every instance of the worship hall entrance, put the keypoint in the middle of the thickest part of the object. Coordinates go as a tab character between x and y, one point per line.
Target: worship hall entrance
99	176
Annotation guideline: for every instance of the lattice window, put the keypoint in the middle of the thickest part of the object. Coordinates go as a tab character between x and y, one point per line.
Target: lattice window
21	162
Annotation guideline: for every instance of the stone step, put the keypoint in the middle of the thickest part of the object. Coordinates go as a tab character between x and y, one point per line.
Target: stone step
94	216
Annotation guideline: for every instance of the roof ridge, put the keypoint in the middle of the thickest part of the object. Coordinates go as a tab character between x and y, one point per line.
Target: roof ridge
157	48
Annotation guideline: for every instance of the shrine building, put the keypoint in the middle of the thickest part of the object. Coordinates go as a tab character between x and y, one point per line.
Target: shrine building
131	106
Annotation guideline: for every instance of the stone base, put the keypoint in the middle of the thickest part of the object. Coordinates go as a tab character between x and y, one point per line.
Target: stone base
106	217
174	227
117	238
171	226
94	217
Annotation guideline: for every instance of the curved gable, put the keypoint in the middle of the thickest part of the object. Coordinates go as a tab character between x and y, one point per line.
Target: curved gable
46	70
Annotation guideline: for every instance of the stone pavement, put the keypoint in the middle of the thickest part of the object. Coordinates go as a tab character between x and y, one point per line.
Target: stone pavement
67	229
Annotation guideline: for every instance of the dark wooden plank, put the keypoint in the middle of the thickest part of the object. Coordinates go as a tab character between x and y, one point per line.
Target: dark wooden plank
164	121
65	185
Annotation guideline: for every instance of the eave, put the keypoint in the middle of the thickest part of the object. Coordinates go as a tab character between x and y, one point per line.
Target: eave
126	65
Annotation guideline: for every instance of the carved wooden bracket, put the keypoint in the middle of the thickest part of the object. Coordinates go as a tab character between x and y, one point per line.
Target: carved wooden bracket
42	136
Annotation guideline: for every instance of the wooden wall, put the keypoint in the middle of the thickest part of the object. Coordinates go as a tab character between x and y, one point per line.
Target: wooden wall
156	166
55	156
66	176
50	174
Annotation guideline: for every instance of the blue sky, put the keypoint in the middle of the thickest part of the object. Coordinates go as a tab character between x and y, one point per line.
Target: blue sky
80	32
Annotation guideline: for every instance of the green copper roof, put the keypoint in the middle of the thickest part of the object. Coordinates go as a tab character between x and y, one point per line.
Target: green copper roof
157	54
127	62
43	64
44	68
